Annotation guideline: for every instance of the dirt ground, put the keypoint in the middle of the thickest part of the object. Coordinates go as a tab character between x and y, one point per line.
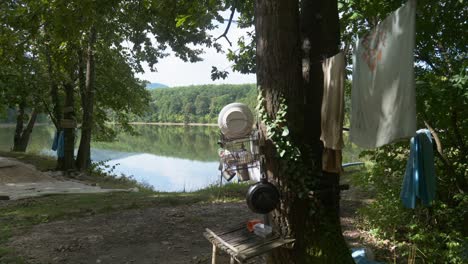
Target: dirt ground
154	235
167	235
19	180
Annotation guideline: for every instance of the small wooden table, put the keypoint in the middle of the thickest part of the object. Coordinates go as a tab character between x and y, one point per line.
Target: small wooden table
240	244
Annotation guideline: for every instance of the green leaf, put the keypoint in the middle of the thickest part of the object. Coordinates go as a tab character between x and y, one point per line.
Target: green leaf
180	20
355	16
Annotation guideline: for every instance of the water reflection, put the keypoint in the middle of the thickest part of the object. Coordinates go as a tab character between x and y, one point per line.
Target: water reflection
185	142
169	158
167	174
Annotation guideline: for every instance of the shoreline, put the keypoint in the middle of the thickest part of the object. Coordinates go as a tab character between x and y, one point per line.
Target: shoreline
14	124
130	123
171	124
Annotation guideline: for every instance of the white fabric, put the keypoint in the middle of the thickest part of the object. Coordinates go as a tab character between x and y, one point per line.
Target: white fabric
333	101
383	107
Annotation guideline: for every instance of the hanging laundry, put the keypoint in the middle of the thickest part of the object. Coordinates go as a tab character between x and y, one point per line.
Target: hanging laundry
420	179
333	112
55	141
59	144
383	106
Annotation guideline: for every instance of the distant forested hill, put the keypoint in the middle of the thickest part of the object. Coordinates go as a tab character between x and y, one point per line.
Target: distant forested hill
196	104
151	86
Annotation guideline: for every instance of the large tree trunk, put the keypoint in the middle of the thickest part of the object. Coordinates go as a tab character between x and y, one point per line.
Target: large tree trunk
83	159
320	34
56	114
69	132
22	136
312	219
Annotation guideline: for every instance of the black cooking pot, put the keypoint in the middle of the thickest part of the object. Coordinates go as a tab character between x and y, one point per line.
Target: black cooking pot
262	197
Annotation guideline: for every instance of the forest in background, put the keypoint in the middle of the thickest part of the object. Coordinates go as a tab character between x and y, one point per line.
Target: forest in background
196	103
184	104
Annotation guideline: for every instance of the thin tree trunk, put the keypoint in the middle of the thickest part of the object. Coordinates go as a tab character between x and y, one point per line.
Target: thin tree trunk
22	136
19	127
83	160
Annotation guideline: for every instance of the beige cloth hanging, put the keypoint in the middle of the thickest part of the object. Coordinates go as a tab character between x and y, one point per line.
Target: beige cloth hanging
333	112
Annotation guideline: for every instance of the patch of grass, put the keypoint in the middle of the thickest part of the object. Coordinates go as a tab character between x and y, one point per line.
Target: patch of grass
41	162
96	175
232	192
32	211
8	256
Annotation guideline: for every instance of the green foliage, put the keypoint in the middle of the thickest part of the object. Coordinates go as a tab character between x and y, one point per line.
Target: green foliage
196	104
437	233
296	173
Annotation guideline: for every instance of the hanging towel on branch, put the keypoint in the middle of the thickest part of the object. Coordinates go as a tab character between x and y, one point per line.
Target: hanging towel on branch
420	179
383	107
333	112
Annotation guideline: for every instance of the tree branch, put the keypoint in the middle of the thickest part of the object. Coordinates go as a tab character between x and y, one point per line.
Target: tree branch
52	118
233	10
459	181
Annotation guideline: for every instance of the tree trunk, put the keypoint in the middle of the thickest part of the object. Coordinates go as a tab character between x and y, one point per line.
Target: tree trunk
22	136
83	159
56	115
312	220
19	127
320	34
69	132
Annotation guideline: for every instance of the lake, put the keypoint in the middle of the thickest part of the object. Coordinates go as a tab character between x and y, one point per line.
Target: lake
169	158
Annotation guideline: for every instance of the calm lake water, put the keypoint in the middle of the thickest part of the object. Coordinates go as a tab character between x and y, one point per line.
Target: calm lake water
169	158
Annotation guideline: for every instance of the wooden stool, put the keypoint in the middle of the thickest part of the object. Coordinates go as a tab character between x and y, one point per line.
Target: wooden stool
240	244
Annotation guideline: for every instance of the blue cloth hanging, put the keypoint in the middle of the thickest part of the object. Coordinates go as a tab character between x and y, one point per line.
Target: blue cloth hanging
55	142
61	145
420	179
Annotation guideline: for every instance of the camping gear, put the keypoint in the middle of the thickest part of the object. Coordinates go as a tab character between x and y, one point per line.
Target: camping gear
239	142
262	197
262	230
228	174
252	223
235	120
243	173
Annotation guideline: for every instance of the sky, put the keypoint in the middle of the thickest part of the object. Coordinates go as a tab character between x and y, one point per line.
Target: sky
172	71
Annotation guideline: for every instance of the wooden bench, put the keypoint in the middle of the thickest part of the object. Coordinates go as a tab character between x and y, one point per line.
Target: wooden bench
240	244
